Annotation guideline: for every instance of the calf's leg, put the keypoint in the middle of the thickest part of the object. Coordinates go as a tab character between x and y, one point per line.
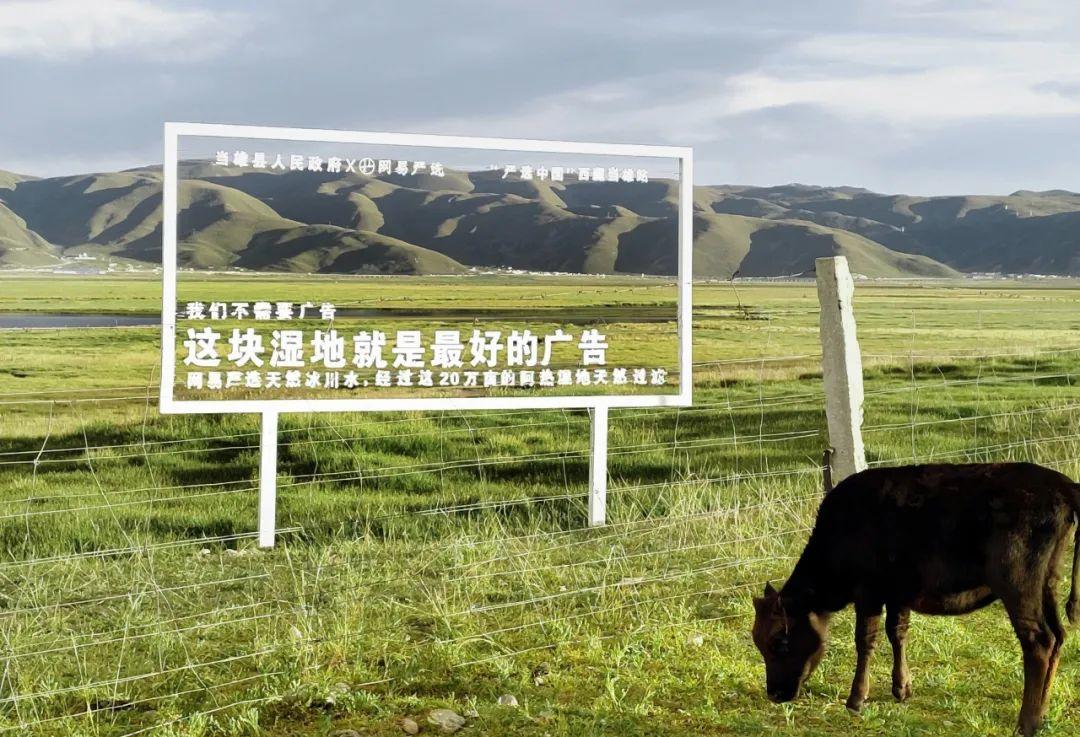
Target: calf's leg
896	628
1030	599
867	623
1057	629
1050	607
1037	644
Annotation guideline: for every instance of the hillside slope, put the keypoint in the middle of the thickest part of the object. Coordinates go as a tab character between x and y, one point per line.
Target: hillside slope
1025	232
218	227
726	244
20	246
235	218
611	227
8	179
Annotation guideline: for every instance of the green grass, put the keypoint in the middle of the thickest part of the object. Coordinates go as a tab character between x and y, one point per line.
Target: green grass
130	586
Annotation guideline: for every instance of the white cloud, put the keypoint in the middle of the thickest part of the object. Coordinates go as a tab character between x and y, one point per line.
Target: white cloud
1007	17
918	79
892	94
927	98
62	29
836	107
902	80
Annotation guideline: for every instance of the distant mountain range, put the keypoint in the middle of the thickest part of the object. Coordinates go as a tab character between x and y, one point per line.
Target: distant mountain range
233	218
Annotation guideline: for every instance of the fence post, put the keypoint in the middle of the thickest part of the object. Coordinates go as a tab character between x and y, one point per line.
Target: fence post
841	365
598	467
268	442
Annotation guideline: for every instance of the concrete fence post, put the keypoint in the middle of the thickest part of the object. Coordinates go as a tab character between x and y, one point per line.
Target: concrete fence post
268	447
841	365
598	469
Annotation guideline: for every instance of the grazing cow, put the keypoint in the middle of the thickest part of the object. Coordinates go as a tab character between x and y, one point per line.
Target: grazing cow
934	539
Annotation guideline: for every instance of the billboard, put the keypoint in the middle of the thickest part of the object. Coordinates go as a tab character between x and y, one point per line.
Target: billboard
315	270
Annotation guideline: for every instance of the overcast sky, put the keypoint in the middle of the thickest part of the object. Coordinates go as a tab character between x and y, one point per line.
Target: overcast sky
914	96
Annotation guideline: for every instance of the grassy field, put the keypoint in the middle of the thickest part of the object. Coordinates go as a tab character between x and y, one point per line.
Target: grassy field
440	560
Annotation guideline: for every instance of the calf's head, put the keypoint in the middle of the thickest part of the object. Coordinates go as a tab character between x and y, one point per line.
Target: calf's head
792	640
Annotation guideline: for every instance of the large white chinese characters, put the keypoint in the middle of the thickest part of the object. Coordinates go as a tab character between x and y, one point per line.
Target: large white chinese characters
282	357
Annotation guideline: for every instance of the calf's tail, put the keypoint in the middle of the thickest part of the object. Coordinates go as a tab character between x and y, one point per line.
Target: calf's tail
1072	608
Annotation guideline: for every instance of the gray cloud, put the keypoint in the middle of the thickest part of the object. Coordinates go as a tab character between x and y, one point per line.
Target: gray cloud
909	95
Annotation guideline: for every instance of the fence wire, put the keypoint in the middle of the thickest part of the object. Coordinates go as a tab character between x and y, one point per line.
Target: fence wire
422	546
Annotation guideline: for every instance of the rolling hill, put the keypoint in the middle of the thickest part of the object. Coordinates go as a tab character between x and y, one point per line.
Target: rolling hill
235	218
21	246
1025	232
8	179
756	247
118	215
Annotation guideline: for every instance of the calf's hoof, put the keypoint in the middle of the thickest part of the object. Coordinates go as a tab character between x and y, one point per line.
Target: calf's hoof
854	704
1028	727
902	691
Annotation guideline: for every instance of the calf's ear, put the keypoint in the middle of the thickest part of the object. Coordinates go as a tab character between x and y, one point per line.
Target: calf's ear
769	590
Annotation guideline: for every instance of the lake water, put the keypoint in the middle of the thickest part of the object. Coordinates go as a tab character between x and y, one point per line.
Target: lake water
10	320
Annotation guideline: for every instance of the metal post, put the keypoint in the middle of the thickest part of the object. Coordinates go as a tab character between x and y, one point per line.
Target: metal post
841	365
598	467
268	442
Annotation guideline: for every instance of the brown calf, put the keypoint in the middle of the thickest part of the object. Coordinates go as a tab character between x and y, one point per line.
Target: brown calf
934	539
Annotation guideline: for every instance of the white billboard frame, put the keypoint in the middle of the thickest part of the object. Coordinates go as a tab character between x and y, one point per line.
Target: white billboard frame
597	404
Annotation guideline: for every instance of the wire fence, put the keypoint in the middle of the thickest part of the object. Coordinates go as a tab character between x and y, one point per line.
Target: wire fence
424	551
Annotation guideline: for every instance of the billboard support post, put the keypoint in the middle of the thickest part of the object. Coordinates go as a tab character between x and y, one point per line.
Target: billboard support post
598	470
268	442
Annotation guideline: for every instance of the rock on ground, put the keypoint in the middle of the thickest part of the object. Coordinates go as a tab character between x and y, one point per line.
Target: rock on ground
446	720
